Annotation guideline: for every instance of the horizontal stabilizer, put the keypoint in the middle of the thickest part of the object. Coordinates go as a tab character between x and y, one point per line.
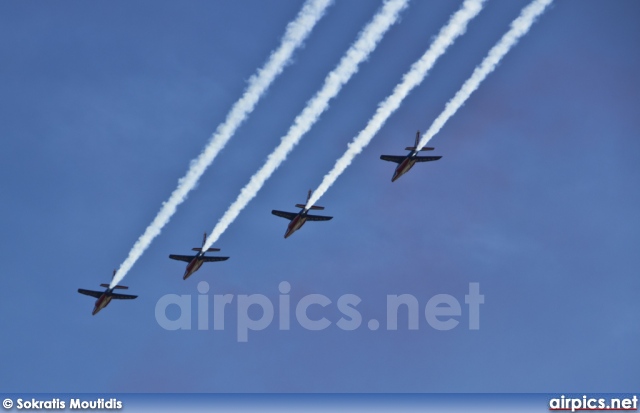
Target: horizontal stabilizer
413	148
209	250
316	207
121	287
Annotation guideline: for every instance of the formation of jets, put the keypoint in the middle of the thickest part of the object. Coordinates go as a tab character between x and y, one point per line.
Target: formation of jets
298	219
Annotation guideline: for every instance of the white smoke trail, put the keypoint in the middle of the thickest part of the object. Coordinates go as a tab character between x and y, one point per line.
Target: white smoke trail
297	31
456	26
367	41
519	27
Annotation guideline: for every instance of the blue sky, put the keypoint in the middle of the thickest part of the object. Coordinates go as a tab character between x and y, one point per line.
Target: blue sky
536	198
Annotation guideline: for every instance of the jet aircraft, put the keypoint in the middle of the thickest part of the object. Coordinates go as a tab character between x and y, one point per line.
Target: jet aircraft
298	219
105	297
196	261
406	162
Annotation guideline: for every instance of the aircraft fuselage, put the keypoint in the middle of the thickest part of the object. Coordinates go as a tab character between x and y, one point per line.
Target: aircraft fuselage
102	302
194	265
405	166
296	223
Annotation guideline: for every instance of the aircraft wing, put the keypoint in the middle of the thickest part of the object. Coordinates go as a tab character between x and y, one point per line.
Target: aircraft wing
393	158
214	259
95	294
427	158
287	215
123	296
185	258
318	218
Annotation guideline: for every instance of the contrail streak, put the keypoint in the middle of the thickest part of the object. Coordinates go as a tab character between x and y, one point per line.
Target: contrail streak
367	41
519	27
456	26
297	31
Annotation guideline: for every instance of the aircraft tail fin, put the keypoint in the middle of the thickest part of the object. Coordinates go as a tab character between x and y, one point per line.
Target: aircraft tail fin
208	250
413	148
303	206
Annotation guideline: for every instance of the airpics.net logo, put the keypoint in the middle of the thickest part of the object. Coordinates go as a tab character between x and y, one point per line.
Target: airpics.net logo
256	312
